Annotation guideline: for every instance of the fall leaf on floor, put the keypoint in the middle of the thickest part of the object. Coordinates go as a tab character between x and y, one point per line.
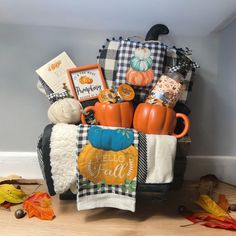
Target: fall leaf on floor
10	178
212	221
210	206
9	193
220	225
6	205
39	205
223	202
18	180
216	216
207	184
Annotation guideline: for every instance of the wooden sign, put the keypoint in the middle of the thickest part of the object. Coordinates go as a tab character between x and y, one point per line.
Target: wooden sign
86	81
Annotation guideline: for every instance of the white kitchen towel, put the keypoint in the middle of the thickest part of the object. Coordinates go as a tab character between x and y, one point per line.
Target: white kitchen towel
161	151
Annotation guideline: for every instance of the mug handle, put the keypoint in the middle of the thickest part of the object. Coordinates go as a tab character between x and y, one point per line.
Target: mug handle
186	125
89	108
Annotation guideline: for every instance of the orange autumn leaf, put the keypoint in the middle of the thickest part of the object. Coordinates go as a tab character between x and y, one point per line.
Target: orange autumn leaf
212	221
210	206
220	225
39	205
223	202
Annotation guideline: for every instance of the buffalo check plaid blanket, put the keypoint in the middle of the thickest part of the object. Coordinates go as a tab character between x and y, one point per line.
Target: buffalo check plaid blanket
108	59
126	51
91	195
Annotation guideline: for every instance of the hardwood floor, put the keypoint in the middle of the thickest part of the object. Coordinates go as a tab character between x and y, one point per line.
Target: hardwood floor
152	217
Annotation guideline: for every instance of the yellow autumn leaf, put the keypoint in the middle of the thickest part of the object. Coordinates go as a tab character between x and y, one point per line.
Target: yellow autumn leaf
210	206
8	193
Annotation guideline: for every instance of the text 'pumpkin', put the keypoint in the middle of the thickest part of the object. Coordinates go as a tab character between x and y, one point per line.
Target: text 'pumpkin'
111	167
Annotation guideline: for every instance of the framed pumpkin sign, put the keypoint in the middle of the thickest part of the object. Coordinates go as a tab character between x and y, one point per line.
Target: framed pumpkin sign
86	81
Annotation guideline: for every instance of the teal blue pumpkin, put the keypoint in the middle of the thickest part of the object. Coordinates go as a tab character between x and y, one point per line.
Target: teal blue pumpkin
141	64
108	139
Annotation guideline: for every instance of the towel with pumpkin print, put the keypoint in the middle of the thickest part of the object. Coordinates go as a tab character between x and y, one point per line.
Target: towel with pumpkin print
107	166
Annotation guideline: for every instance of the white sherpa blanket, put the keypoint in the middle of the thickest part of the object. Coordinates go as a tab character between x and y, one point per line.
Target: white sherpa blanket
63	156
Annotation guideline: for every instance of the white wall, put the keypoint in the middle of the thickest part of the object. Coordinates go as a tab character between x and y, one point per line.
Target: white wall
202	99
25	48
225	103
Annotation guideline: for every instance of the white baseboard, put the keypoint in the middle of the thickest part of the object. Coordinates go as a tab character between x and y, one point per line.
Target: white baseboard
26	165
224	167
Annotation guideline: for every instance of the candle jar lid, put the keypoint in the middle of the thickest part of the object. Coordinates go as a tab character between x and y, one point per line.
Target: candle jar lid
178	77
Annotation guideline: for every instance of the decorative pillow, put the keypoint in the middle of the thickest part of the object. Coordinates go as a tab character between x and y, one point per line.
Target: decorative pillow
145	59
108	59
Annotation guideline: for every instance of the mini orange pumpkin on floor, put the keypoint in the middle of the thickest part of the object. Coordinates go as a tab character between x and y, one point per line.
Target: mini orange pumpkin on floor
111	167
157	119
139	78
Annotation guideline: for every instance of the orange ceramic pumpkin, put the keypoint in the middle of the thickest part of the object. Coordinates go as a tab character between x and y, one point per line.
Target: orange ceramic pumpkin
98	165
139	78
116	115
157	119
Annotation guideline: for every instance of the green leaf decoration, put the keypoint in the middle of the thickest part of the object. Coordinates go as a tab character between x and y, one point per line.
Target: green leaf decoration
133	184
98	186
130	191
127	181
124	189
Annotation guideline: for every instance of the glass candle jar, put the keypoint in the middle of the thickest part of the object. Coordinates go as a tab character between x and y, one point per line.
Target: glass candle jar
168	90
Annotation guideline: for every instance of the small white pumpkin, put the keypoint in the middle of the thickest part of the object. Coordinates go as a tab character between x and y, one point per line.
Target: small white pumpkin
67	110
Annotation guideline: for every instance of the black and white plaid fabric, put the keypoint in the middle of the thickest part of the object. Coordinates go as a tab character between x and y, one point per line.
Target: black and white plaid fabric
86	187
174	69
53	97
126	51
178	67
142	158
170	59
40	155
108	59
45	86
188	87
171	66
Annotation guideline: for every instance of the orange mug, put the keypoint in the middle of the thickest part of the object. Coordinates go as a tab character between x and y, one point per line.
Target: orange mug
116	115
157	119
